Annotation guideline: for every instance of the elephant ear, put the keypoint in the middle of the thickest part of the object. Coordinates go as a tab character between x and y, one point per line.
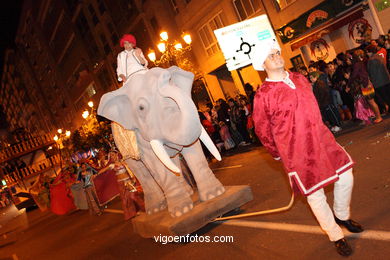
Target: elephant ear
116	108
182	78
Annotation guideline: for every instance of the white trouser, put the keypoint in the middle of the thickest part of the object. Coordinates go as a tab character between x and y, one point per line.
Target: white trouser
342	198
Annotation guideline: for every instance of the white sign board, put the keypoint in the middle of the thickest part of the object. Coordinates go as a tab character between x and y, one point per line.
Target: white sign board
237	40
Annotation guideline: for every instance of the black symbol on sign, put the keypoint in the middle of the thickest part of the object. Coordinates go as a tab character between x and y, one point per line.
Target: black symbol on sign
245	47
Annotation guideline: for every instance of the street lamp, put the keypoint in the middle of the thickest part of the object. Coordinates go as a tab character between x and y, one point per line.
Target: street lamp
89	114
59	141
61	136
85	114
169	51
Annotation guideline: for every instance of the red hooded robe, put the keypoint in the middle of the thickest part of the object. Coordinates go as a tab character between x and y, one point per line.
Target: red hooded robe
289	124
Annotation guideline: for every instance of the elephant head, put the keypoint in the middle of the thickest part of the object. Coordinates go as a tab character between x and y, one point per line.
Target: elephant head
158	105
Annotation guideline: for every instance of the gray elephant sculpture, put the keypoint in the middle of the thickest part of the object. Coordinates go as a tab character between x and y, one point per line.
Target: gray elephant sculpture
157	106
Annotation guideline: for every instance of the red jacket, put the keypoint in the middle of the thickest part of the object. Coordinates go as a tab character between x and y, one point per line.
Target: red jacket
289	125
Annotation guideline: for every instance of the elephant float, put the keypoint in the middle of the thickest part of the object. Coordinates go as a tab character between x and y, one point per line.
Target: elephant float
157	106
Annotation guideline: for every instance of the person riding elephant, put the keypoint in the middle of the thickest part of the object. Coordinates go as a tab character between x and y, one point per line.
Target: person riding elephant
157	106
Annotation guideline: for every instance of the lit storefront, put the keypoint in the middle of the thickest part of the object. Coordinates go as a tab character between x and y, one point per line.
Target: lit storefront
327	29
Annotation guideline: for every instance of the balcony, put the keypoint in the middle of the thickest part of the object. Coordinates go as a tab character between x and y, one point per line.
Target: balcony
18	176
25	147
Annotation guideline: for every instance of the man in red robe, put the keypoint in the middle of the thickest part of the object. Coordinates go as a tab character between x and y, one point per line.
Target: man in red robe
289	124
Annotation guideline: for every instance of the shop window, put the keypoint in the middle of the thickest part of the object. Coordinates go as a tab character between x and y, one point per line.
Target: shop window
206	33
281	4
297	62
246	8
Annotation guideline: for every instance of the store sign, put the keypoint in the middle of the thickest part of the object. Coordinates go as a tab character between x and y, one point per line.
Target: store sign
313	18
237	40
360	30
320	49
316	15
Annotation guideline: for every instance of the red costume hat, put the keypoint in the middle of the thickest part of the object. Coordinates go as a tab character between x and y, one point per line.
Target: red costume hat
129	38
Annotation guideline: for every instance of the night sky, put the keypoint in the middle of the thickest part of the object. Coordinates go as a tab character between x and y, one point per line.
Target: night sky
9	19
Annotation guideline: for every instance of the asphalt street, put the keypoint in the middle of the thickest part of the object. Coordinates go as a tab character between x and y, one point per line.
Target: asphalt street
293	234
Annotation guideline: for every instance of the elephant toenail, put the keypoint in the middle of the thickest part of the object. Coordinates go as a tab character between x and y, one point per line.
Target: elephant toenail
211	196
178	214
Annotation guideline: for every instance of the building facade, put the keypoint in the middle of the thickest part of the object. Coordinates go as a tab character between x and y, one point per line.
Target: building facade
21	101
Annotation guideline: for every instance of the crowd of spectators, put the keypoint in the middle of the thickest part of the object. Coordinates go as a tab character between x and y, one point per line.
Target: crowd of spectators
230	123
354	86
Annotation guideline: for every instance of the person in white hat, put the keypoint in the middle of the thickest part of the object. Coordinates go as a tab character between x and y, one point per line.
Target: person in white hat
289	124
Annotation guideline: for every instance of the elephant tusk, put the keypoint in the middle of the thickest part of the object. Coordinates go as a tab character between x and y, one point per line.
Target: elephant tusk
161	153
205	138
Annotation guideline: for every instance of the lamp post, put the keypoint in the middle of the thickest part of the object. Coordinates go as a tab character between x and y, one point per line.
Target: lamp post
169	50
59	141
92	125
90	112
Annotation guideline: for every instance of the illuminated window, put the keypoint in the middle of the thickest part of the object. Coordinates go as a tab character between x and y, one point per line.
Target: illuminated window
281	4
246	8
91	90
206	33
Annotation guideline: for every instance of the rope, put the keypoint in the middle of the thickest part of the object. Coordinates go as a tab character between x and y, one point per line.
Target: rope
264	212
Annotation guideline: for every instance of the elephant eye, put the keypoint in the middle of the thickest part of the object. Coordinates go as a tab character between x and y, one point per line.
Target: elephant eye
143	106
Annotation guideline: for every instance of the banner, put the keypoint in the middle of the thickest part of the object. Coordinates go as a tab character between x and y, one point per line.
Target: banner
106	186
314	18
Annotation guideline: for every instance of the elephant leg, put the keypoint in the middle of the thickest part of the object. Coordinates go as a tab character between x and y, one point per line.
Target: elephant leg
209	186
153	195
187	175
175	188
184	171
